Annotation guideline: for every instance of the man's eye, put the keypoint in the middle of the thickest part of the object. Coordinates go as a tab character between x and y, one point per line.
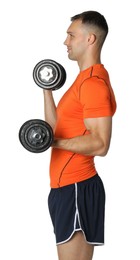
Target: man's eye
71	35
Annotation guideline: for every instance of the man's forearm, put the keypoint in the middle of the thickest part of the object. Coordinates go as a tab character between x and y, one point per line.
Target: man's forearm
87	145
49	108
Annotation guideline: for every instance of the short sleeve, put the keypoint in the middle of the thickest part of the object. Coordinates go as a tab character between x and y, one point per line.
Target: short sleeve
97	98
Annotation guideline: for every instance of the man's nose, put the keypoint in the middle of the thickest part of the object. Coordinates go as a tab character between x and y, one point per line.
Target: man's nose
66	41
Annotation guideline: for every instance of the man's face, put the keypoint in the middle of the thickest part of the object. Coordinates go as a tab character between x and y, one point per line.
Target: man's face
76	40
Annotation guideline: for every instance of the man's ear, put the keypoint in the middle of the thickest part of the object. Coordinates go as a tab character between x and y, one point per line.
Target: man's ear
91	39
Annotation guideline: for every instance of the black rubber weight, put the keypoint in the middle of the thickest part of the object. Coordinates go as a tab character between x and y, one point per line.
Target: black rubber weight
36	135
49	74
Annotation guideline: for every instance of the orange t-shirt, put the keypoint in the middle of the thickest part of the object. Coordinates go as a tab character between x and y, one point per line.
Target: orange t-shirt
90	96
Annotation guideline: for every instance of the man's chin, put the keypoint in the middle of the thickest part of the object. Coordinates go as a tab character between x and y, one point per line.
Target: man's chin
71	58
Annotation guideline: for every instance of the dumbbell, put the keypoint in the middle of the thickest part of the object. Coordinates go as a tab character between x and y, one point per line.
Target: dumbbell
49	74
36	135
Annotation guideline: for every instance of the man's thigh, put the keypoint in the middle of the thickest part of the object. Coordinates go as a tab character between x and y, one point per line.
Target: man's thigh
75	248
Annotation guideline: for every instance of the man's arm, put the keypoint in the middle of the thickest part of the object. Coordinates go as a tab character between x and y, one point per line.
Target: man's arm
49	108
96	143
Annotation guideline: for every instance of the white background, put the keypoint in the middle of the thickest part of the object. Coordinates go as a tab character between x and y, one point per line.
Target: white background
34	30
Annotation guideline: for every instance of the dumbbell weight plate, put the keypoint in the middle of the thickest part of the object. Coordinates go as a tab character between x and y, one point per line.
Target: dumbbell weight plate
49	74
62	79
36	135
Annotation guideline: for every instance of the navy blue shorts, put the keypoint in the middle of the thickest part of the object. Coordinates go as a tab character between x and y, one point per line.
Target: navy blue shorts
79	206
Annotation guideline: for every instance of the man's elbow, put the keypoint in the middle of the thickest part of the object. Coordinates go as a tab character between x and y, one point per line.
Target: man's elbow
102	151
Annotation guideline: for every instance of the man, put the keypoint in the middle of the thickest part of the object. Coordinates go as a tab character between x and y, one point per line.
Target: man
82	124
